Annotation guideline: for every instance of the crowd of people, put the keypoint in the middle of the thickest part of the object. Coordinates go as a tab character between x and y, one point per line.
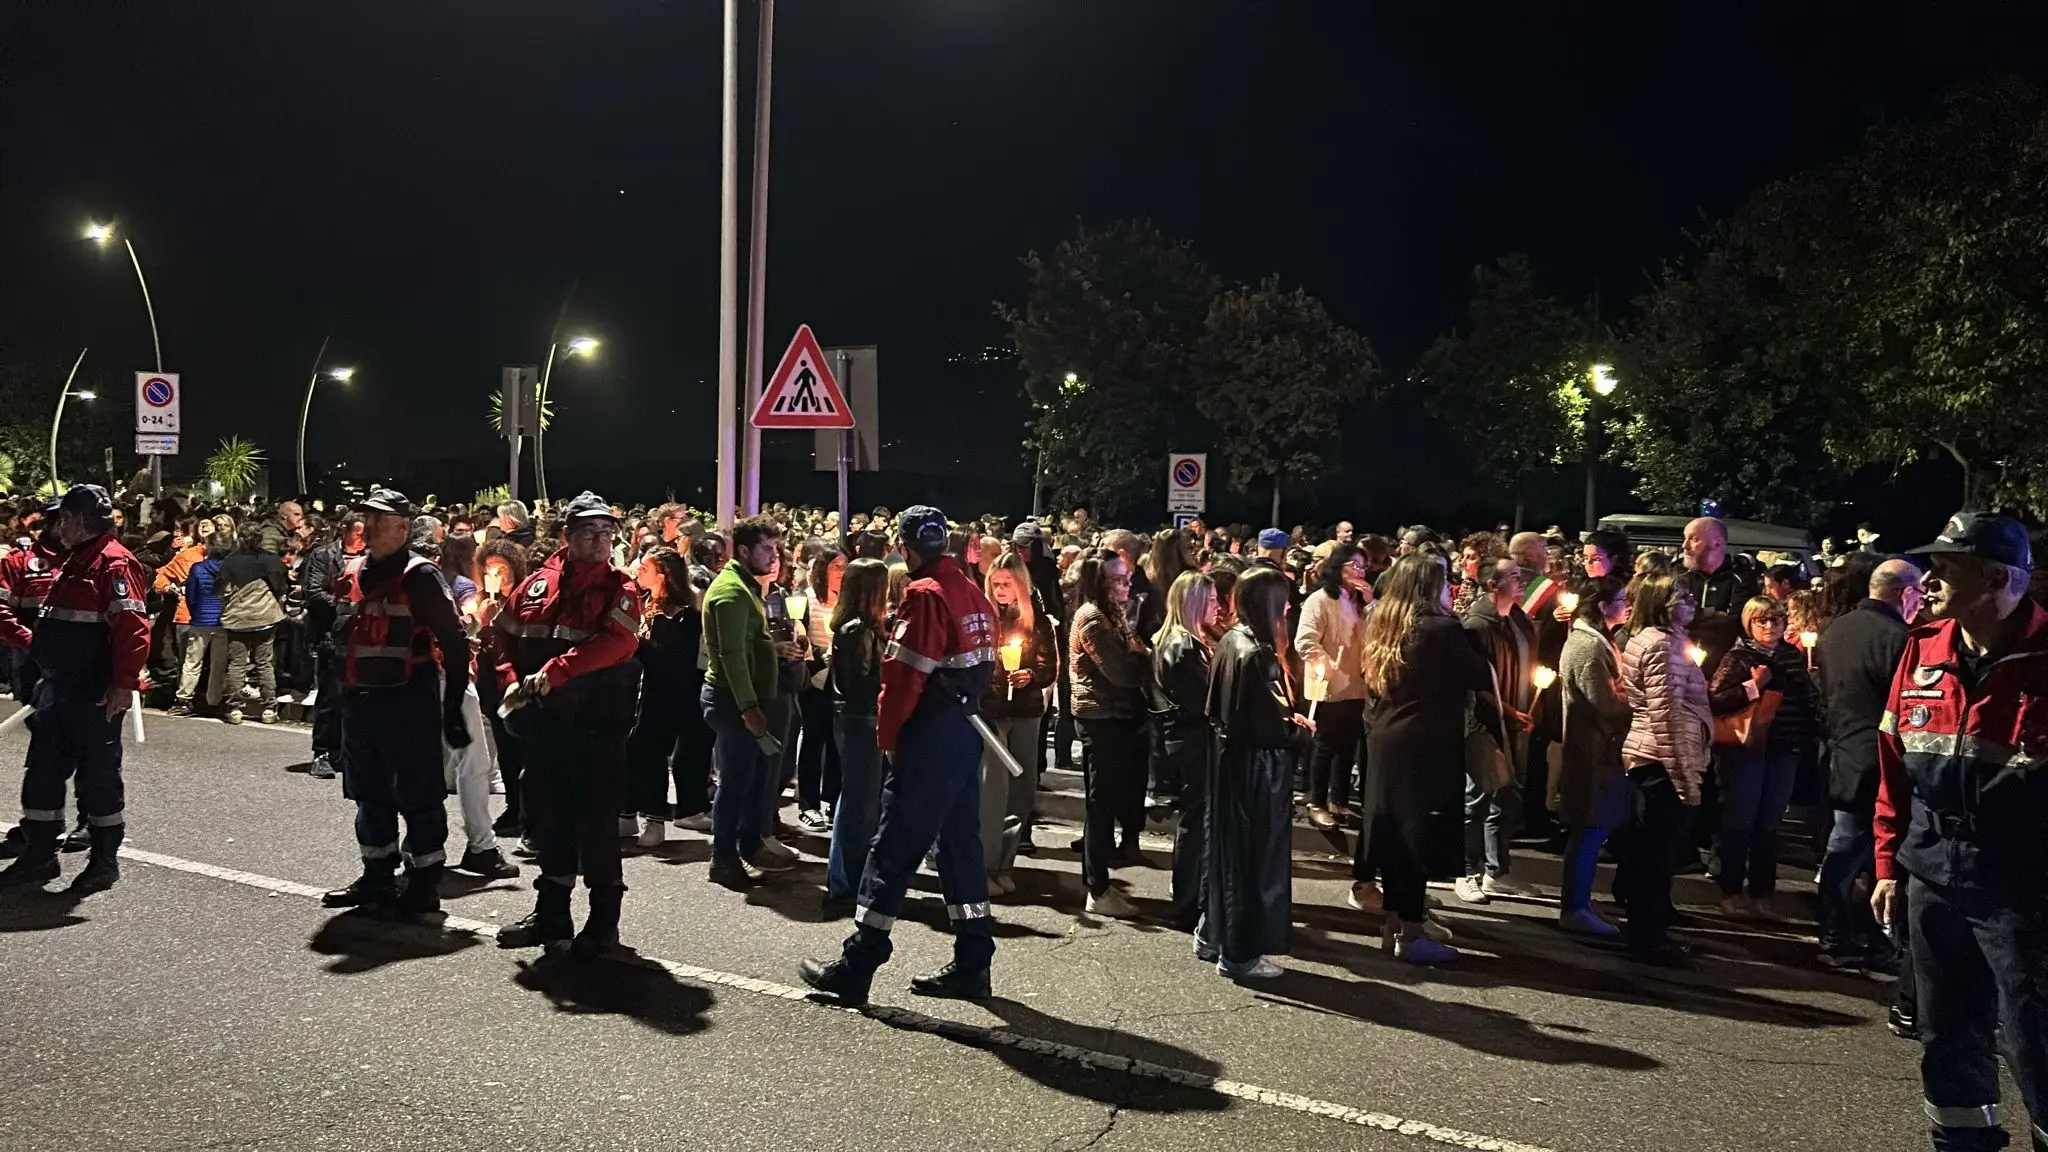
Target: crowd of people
1442	701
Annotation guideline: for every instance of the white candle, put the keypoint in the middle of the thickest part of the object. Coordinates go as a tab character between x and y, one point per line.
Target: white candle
1545	677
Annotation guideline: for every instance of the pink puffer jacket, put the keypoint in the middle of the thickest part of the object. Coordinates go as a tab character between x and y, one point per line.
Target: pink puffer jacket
1672	724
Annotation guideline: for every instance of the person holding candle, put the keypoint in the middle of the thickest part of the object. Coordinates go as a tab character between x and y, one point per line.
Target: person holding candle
1507	636
1110	673
1013	707
1756	783
1592	787
817	759
1248	893
1180	670
1330	640
1666	749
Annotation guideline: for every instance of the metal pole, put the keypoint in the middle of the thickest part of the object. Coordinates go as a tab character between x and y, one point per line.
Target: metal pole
1592	457
845	451
512	472
156	463
729	273
540	405
306	410
1038	486
757	253
57	489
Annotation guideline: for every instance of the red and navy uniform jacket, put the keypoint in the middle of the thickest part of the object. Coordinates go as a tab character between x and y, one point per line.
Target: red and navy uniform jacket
1962	795
25	578
93	636
383	641
579	624
942	652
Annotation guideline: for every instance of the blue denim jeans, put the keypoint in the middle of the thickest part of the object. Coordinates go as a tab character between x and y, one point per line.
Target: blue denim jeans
1845	921
859	806
1581	864
736	753
1754	792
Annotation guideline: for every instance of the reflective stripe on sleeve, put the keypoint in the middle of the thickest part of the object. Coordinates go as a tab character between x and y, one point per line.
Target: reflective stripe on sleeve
1984	1116
74	615
967	911
873	919
624	621
541	631
383	653
1889	725
903	654
1967	747
124	606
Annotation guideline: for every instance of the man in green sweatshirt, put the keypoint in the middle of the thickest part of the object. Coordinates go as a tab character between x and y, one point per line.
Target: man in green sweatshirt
740	676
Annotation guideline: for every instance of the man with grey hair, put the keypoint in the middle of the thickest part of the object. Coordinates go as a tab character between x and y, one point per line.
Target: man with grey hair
1856	657
1962	798
514	521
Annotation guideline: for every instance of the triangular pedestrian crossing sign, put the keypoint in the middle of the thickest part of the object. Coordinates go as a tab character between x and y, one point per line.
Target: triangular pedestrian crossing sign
802	393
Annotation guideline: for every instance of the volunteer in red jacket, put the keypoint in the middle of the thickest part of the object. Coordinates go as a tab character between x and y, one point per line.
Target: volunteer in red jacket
25	578
89	647
573	628
934	673
1961	807
404	667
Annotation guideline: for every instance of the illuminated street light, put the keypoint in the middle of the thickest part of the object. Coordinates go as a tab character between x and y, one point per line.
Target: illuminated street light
56	487
1603	379
102	234
584	346
342	375
99	233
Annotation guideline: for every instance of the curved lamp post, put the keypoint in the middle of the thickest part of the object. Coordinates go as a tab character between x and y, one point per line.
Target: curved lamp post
580	346
343	375
101	234
57	421
1602	379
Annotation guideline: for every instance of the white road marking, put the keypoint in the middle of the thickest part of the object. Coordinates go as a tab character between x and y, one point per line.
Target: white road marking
948	1029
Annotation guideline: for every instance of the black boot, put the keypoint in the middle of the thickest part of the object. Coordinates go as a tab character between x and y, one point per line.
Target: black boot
375	886
422	893
953	983
12	844
79	839
37	864
547	926
836	978
601	931
104	868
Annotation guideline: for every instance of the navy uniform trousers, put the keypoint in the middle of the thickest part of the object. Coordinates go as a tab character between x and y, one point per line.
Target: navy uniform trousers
391	765
71	736
933	791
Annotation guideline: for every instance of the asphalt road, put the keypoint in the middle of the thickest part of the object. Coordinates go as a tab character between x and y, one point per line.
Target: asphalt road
210	1002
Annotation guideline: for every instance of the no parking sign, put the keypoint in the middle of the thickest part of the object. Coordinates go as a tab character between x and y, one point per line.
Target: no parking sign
156	402
1187	482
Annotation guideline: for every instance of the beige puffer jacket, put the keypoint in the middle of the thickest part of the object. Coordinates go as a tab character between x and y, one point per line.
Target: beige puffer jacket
1672	724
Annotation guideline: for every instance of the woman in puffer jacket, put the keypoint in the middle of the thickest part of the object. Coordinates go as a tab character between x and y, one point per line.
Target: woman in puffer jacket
1756	784
1665	751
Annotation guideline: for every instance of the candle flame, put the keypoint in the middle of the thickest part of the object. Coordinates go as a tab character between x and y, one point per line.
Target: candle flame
1696	654
1545	677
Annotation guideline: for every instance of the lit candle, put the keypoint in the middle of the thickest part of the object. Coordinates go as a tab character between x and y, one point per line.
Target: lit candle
1317	689
1013	659
1545	677
1696	654
1808	638
1569	601
798	606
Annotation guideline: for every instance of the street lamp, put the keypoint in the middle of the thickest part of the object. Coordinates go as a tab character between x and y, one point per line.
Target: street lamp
56	488
1602	378
584	346
341	375
102	234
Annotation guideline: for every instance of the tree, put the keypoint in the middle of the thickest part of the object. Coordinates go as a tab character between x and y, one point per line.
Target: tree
233	466
1513	385
1275	374
1105	338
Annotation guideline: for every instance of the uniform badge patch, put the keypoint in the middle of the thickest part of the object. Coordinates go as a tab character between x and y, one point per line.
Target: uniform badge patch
1917	718
538	586
120	588
1924	675
625	603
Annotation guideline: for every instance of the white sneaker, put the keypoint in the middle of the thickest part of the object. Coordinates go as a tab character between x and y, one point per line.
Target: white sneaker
1111	903
1366	897
652	833
1507	889
1470	890
1263	970
629	827
701	822
776	850
1586	922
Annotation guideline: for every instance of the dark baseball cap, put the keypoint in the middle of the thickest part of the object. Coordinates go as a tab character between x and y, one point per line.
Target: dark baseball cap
924	526
1028	533
90	499
2000	539
588	504
388	501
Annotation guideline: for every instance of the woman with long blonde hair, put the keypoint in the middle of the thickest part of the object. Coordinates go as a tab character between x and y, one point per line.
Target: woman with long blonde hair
1419	669
1181	652
1014	706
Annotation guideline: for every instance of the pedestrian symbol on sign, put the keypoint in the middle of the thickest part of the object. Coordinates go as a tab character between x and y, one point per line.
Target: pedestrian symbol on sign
805	398
802	392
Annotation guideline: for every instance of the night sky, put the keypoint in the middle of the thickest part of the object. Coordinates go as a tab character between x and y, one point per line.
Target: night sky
424	182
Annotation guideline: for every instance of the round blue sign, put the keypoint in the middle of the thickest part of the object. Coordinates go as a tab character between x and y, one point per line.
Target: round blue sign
1187	473
157	392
